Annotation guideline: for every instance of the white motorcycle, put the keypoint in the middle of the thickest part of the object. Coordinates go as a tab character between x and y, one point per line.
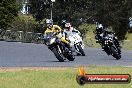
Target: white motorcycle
77	44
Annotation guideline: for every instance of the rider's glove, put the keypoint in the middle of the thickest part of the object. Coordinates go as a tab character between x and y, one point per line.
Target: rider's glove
56	33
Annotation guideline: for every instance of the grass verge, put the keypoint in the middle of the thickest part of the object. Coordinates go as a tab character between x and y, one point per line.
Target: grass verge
56	77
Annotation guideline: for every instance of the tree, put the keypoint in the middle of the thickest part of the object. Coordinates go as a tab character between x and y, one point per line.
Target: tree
8	10
75	11
25	23
114	13
40	9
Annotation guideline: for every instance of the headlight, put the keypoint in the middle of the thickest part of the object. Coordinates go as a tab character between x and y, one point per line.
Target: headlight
52	41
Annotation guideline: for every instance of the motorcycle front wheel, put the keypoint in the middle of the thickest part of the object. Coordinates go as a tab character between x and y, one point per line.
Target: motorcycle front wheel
70	56
58	55
115	53
81	50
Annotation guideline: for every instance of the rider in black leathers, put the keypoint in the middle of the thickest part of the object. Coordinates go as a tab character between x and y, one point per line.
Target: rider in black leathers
101	33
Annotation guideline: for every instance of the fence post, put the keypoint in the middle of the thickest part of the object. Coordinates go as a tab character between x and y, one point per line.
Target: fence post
1	38
20	36
7	35
38	38
29	37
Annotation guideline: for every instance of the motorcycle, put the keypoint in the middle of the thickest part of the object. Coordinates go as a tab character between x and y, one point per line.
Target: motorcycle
58	48
109	43
110	46
77	44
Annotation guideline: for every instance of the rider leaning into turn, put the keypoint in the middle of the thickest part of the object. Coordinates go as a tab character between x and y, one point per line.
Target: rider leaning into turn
101	33
56	30
69	30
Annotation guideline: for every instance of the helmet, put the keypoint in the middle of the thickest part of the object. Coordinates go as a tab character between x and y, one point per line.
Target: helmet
99	29
49	23
63	23
67	26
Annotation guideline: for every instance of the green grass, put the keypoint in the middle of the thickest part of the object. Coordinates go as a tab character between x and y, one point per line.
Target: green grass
127	44
129	36
57	77
89	37
89	40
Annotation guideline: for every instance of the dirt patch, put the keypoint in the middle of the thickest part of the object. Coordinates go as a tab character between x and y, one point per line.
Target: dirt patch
12	69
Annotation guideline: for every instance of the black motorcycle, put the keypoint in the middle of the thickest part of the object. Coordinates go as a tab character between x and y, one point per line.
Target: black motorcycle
58	48
111	47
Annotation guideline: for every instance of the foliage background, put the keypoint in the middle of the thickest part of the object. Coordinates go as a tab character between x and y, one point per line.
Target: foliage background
113	14
8	10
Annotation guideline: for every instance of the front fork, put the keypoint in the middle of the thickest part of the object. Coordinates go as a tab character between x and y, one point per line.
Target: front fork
77	44
59	49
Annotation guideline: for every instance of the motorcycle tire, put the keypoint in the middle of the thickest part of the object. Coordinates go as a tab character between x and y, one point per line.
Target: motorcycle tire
71	57
81	50
115	53
106	50
58	56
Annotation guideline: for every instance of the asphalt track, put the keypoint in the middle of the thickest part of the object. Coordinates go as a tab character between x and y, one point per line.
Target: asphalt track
15	54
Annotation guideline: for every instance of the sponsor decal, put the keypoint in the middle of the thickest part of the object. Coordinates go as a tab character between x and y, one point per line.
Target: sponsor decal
83	78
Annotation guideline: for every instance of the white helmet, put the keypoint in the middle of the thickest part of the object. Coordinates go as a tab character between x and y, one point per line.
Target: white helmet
67	26
49	21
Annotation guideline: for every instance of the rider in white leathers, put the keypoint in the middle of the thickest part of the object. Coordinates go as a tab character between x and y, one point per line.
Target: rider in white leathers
73	36
69	30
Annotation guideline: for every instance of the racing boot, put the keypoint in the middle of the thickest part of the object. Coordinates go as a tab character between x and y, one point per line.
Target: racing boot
68	46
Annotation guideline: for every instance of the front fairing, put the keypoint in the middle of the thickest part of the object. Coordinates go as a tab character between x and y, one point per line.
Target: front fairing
48	35
108	40
50	39
75	38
